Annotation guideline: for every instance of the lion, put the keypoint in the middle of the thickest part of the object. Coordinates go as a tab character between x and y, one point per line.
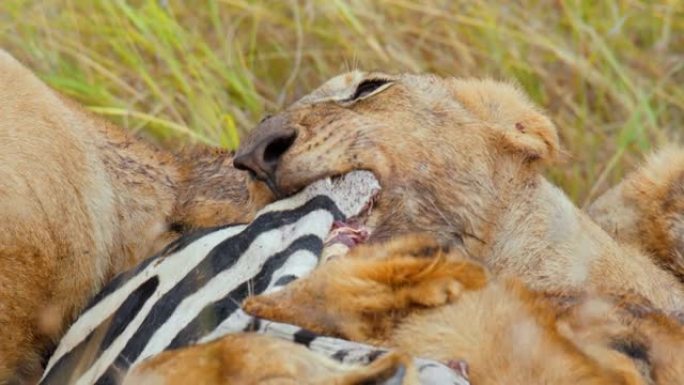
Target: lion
462	160
80	201
646	209
507	279
420	297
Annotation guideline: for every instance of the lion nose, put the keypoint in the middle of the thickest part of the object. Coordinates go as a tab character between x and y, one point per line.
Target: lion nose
261	152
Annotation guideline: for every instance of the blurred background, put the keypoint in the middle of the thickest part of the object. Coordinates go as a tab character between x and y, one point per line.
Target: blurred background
609	72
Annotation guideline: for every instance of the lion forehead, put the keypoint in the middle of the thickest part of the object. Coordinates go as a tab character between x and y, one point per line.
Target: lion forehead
339	87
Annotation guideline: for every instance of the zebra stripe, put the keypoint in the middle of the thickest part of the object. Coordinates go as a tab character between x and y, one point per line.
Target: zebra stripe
214	313
219	263
191	292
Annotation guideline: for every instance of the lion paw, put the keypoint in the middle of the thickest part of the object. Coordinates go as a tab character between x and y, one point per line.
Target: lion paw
436	293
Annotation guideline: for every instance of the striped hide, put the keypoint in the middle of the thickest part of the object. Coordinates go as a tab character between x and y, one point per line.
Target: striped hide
191	292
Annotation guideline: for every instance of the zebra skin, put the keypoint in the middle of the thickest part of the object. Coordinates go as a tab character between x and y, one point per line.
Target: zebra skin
191	292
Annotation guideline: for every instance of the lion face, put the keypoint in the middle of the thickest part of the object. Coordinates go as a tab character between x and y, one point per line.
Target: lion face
436	145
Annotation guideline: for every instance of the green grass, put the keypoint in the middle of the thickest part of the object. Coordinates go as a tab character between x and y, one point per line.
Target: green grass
609	72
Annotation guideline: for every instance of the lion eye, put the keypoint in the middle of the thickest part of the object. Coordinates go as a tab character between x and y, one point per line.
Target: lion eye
367	86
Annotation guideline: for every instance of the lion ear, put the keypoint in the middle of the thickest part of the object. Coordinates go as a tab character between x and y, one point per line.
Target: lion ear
533	136
515	119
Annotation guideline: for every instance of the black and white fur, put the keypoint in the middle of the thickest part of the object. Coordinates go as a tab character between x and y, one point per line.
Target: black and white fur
192	291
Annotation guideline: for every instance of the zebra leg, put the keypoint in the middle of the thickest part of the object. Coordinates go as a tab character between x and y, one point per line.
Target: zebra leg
250	358
363	296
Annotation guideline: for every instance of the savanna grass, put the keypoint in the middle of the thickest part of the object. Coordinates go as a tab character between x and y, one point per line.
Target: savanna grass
610	72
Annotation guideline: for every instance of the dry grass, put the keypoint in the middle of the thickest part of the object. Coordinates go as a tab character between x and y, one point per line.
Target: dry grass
610	72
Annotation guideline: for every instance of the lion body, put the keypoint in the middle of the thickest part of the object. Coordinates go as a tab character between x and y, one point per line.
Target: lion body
80	201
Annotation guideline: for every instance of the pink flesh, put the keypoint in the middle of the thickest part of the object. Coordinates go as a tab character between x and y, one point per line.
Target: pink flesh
459	366
349	233
353	231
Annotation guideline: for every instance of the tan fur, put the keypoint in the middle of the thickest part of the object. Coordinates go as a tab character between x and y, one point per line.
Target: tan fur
80	201
460	159
647	209
415	279
250	359
626	323
503	330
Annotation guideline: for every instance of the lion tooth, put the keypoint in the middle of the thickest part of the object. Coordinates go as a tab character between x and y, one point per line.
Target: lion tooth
328	181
